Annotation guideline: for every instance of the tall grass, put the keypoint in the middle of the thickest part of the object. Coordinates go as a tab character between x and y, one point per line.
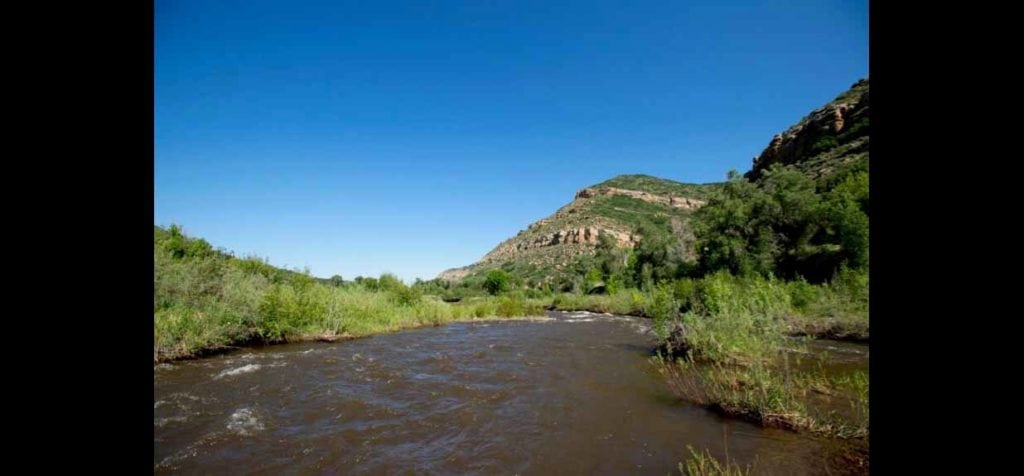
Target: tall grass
775	396
734	330
839	309
737	320
733	319
625	302
703	463
211	302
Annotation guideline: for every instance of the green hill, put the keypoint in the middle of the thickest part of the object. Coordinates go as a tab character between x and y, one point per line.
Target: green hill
620	208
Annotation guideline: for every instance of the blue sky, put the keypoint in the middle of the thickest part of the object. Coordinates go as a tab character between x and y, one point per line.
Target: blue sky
410	137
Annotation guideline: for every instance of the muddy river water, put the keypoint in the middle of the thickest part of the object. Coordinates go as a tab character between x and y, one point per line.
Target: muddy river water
575	394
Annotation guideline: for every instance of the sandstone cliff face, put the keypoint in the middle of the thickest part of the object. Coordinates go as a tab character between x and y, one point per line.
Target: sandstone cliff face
824	130
586	236
455	274
677	202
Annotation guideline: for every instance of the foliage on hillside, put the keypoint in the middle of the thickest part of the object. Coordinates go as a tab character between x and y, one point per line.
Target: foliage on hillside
561	267
659	186
786	224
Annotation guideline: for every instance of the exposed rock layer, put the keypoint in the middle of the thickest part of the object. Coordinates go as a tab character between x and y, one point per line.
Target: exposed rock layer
672	201
820	131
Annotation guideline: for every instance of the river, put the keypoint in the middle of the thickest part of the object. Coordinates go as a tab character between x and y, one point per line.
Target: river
575	394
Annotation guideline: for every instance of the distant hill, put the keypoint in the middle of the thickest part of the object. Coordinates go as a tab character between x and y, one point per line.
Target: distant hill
616	207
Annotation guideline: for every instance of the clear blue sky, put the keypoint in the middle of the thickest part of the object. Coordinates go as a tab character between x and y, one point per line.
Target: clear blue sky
362	137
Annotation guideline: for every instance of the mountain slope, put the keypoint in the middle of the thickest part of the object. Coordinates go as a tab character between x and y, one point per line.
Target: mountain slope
616	207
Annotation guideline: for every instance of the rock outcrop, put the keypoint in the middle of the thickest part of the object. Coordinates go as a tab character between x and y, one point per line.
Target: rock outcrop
587	236
685	203
455	274
824	129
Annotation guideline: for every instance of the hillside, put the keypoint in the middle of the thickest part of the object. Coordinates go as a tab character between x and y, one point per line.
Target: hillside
829	140
180	245
616	207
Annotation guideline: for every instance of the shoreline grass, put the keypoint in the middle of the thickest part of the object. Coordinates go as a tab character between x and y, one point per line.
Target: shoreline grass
317	313
703	463
774	397
327	337
206	302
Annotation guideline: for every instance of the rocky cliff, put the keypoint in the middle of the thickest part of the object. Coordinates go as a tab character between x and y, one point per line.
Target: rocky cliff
830	136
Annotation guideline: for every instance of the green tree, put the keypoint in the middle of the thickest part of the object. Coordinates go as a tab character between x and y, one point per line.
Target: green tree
199	248
786	224
496	281
368	283
658	256
789	216
390	282
608	255
846	216
175	242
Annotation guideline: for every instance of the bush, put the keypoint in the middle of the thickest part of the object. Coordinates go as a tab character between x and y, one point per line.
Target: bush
802	294
824	143
496	282
662	308
685	292
406	296
390	282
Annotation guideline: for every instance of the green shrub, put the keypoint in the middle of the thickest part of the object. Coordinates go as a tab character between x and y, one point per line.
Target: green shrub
661	307
390	282
802	294
825	142
685	292
406	296
496	281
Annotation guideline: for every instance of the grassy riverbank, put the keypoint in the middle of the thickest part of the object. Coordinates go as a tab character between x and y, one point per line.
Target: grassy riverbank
734	337
738	357
205	300
837	309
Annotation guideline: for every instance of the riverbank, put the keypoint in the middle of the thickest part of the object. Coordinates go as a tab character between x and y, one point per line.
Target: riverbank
837	310
739	347
318	313
329	337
